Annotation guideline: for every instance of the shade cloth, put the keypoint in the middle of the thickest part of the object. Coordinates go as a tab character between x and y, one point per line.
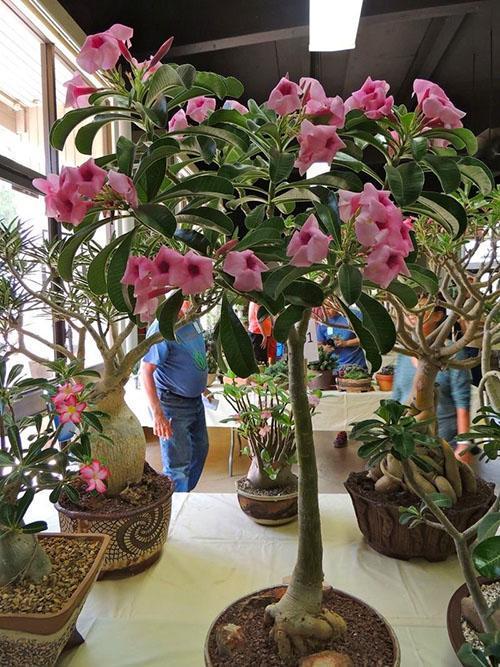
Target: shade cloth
216	554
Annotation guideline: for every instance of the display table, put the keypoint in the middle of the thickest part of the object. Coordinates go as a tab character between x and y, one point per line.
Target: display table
215	554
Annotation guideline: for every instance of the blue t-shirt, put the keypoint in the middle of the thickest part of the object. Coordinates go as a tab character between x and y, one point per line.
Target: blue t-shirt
339	327
181	365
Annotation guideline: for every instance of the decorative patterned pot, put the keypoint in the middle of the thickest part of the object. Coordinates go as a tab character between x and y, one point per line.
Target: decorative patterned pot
268	510
385	382
324	380
354	386
37	640
137	533
378	520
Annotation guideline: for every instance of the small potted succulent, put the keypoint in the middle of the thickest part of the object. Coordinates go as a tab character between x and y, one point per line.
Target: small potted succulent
45	577
323	369
268	492
353	379
385	377
406	462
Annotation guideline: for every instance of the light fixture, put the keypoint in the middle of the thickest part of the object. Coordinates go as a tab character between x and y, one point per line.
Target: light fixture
333	24
317	169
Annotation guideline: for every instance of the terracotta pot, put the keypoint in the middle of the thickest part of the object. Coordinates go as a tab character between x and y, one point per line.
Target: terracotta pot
37	640
324	380
379	523
354	386
385	382
212	662
454	615
137	534
268	510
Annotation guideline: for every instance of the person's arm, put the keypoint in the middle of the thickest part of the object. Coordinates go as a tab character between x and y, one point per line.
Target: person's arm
161	425
460	383
349	342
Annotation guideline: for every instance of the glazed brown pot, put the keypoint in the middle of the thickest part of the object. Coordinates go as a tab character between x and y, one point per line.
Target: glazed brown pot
137	533
379	523
268	510
210	662
37	640
384	382
324	380
454	615
354	386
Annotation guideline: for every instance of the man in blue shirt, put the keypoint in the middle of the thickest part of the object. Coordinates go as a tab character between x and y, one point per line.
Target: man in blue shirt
174	374
337	330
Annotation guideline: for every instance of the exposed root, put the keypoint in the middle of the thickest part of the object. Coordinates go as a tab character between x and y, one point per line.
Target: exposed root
297	633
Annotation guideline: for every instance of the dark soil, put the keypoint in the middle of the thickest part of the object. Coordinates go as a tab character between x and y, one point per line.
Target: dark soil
245	485
360	483
367	640
71	560
152	487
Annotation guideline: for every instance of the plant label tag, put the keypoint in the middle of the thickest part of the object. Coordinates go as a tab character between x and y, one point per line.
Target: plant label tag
311	352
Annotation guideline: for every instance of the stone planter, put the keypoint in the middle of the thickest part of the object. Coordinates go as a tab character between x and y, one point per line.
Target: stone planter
324	380
266	509
354	386
384	382
378	520
37	640
272	594
137	533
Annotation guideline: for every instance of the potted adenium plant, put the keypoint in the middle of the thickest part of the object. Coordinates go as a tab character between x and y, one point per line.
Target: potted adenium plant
45	577
385	377
323	370
194	171
353	378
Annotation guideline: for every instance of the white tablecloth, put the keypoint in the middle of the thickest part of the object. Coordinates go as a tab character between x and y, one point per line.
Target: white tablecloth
215	554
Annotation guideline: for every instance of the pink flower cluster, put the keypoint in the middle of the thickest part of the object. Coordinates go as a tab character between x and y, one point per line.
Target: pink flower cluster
68	403
372	99
438	109
381	229
169	269
94	475
198	109
70	194
308	245
247	270
102	50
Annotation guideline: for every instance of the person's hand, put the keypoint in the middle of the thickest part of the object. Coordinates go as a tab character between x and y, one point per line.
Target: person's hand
264	342
162	426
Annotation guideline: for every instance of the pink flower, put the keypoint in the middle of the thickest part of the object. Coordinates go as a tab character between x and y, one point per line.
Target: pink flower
378	216
264	430
266	414
94	474
145	67
330	111
146	306
285	97
311	89
77	92
63	200
199	108
237	106
66	390
194	274
124	186
384	264
318	143
436	105
348	204
178	122
246	268
88	178
137	269
102	50
313	400
70	410
162	52
164	262
308	245
372	99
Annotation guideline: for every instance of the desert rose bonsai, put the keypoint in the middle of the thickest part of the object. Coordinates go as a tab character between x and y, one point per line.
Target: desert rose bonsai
217	187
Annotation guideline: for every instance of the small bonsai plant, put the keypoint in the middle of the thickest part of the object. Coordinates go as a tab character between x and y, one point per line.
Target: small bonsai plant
31	461
353	372
386	370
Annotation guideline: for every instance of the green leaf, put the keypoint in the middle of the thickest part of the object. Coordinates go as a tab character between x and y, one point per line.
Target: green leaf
207	217
236	342
23	503
472	657
276	280
187	73
96	273
304	292
234	87
125	155
264	235
164	78
157	217
424	277
344	180
5	458
446	211
350	283
406	182
116	269
168	313
224	136
34	527
65	125
85	136
459	138
366	339
329	216
441	500
468	138
193	239
256	216
285	321
486	557
159	153
215	83
478	173
405	294
445	169
70	247
419	147
202	184
378	321
280	166
488	526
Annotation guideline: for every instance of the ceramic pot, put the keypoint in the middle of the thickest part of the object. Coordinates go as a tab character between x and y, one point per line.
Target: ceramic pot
385	382
37	640
268	510
211	660
324	380
454	615
354	386
137	533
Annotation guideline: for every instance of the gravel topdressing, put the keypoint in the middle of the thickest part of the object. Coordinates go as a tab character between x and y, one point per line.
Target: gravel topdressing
491	593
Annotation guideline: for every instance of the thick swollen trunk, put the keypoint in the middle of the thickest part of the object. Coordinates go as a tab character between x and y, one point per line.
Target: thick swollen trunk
22	556
423	399
260	480
125	451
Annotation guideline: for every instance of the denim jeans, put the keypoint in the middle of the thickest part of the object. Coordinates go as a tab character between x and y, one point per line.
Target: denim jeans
183	455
